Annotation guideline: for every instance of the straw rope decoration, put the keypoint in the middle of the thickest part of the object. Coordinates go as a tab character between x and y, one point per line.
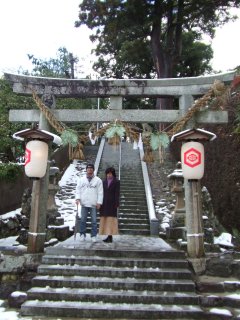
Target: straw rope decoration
217	96
217	90
55	123
69	136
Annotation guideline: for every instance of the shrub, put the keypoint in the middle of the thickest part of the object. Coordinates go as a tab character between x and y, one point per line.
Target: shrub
10	171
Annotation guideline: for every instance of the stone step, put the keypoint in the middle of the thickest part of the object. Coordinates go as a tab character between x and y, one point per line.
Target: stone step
133	195
133	192
126	215
131	225
128	229
133	220
133	212
112	296
125	219
174	285
137	197
132	205
133	208
129	213
133	232
110	311
133	200
138	201
115	262
120	253
117	272
135	178
138	186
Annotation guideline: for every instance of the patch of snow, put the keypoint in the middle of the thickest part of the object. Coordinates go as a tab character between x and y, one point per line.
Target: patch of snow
18	293
225	239
221	311
234	296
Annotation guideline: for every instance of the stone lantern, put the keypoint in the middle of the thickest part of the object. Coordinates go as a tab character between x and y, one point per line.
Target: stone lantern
177	229
177	187
53	188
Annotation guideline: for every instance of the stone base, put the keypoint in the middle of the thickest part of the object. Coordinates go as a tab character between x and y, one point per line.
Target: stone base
198	265
176	233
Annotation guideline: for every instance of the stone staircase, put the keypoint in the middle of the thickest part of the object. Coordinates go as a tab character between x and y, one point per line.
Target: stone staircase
135	277
133	211
132	278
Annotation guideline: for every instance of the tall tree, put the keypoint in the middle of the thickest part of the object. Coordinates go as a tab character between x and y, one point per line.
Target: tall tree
60	67
152	30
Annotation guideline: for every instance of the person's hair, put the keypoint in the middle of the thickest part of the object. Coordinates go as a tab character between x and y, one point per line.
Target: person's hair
90	165
112	170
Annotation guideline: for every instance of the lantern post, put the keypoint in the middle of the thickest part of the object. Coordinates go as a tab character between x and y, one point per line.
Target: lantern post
192	159
36	168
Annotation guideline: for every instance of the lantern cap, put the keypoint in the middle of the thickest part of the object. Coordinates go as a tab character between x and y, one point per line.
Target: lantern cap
194	134
177	173
37	134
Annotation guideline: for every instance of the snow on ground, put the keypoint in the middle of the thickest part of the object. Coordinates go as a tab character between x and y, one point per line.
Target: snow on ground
6	314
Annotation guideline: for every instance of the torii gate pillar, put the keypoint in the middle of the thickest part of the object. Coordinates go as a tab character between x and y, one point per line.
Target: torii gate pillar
115	103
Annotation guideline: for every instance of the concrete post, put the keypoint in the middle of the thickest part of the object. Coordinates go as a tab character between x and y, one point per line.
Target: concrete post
185	102
115	103
194	225
37	224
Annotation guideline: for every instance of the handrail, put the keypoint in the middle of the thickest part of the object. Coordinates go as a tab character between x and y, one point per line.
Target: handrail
120	160
154	223
99	155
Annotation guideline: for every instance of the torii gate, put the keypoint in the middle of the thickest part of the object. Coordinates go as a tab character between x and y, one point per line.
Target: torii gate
184	89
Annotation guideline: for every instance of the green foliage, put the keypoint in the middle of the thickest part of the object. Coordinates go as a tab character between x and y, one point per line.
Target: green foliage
10	100
116	129
9	171
69	137
59	67
147	39
159	139
195	57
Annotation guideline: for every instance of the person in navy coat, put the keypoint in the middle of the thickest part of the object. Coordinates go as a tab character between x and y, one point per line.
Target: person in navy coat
109	209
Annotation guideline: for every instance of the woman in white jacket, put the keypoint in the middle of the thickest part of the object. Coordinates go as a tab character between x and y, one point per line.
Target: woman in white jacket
89	194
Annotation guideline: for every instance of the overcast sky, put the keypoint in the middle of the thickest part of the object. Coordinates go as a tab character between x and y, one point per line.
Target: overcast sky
41	27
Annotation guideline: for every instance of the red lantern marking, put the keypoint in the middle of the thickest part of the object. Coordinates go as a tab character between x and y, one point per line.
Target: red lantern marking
27	156
192	157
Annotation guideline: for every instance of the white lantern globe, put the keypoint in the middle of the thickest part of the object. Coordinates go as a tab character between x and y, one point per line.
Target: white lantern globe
36	157
192	158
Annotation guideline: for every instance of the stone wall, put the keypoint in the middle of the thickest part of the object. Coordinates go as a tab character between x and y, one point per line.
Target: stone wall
12	192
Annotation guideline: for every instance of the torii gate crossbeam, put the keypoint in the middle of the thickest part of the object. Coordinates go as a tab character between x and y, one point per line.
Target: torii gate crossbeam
184	89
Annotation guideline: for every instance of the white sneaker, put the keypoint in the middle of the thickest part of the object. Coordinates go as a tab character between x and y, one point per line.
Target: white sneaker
94	239
82	237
